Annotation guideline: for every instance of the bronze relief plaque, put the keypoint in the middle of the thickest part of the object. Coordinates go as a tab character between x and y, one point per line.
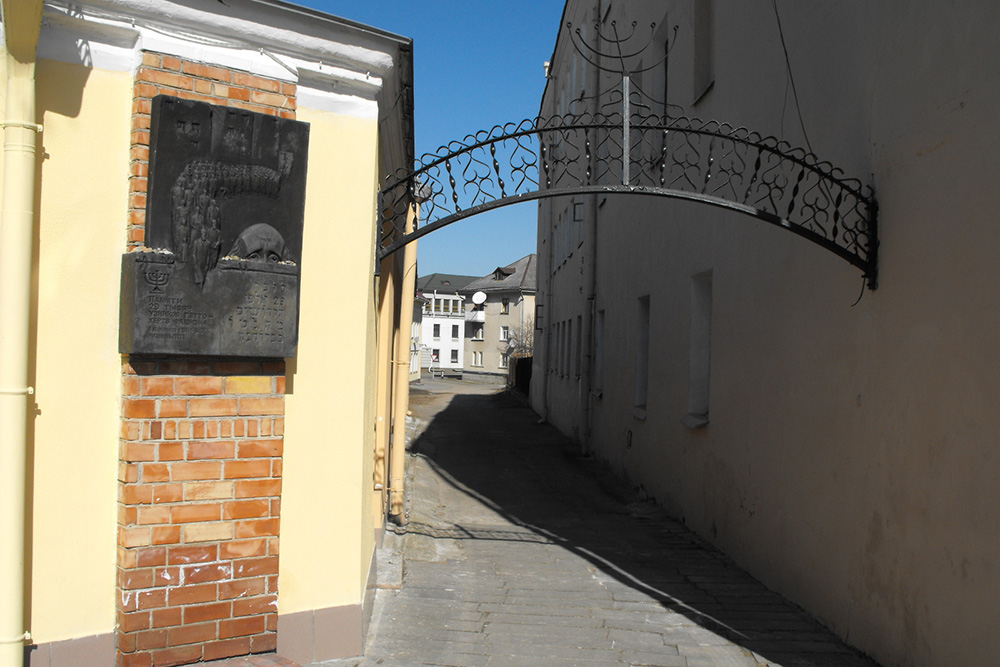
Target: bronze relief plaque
224	215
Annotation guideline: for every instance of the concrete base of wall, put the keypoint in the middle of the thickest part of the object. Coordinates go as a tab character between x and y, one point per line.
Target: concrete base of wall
321	634
334	632
93	651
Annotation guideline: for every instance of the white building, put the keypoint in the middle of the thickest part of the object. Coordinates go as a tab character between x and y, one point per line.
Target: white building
845	455
443	325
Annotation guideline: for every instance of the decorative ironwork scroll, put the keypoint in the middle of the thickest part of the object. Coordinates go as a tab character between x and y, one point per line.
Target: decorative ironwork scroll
616	142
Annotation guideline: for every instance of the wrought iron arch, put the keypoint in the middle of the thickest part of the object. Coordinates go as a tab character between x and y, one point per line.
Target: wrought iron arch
615	142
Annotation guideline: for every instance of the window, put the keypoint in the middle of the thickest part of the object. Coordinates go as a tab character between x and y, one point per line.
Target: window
642	356
503	361
556	237
599	353
454	332
454	356
436	355
504	306
704	74
567	338
553	337
579	345
437	330
438	305
504	333
700	356
477	358
578	221
477	332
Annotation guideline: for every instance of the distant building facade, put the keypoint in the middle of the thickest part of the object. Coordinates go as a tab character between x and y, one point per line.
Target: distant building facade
416	331
846	456
443	321
501	327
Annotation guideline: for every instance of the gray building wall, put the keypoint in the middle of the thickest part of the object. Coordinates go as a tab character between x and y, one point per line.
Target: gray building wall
850	455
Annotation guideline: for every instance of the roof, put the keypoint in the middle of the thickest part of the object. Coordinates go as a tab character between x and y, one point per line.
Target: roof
443	282
521	276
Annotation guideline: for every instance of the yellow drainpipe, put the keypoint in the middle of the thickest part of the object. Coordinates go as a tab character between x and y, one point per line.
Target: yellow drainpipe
386	315
22	23
402	367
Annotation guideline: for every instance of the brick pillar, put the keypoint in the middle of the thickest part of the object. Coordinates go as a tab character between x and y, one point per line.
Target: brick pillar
199	500
201	444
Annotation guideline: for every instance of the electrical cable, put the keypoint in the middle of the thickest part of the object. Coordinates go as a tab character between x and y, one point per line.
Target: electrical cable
791	78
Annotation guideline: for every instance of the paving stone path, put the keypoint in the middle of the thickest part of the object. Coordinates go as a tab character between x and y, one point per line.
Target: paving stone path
521	553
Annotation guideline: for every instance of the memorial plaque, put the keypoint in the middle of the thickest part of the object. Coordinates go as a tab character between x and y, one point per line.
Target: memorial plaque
225	202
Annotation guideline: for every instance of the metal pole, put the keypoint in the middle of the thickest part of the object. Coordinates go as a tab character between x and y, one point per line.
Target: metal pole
626	129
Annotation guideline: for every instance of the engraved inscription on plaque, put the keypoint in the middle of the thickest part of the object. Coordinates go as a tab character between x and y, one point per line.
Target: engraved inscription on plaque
224	228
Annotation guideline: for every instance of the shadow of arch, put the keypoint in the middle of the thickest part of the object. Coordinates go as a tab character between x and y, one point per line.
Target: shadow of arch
491	449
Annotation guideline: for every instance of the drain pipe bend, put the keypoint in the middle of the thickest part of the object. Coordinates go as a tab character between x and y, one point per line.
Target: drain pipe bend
401	399
22	23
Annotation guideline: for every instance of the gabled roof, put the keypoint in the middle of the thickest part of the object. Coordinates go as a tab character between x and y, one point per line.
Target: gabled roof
443	282
521	276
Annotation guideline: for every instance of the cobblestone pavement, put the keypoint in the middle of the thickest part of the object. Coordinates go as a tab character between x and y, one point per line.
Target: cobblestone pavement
519	552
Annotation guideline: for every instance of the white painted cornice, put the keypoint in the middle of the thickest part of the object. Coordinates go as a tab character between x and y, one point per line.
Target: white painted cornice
251	23
108	33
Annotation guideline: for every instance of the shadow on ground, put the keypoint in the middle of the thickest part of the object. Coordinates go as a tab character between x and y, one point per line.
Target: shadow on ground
492	448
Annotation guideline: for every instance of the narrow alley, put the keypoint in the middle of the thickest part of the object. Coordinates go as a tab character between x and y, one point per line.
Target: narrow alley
520	552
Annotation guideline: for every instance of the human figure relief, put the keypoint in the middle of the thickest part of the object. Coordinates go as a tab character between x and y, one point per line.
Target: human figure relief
196	213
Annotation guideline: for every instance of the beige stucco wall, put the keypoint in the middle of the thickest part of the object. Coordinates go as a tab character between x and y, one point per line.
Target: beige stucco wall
850	461
521	310
327	536
84	153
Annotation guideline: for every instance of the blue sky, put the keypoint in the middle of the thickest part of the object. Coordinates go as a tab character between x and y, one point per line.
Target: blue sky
477	64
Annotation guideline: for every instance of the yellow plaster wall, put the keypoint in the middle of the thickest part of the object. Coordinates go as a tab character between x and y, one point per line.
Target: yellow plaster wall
83	157
326	525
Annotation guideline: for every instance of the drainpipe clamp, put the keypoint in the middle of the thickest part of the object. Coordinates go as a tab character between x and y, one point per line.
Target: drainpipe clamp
17	640
28	126
26	391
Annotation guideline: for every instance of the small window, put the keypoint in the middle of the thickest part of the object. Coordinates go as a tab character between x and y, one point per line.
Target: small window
579	345
553	350
477	358
503	361
578	221
477	333
454	356
436	355
437	330
599	353
504	306
504	333
642	355
454	332
700	355
704	74
438	305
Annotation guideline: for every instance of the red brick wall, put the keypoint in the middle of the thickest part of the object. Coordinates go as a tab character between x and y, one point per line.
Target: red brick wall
199	506
201	446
